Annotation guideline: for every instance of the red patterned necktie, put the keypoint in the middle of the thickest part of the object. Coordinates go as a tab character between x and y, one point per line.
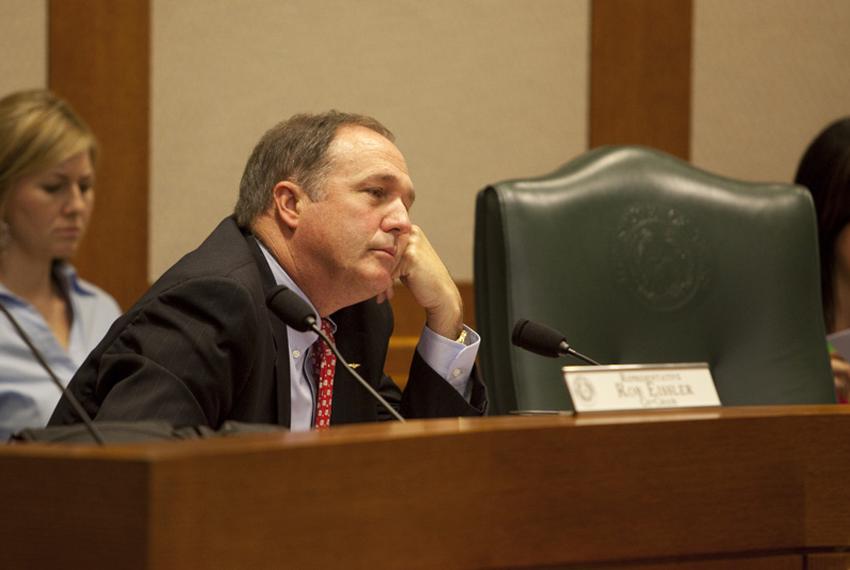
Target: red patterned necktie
324	363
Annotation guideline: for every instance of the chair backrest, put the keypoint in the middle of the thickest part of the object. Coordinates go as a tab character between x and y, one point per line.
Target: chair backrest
638	257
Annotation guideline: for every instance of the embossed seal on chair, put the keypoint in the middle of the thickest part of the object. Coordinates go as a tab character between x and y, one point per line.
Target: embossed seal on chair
660	256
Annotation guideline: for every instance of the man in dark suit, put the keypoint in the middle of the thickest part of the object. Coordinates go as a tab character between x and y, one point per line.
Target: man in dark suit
324	209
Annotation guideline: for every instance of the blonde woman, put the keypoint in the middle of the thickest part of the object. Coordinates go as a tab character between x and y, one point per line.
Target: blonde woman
47	157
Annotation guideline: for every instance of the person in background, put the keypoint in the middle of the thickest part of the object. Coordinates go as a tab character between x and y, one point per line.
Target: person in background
825	171
47	157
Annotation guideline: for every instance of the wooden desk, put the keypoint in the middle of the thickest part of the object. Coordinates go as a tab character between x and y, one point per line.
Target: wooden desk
734	488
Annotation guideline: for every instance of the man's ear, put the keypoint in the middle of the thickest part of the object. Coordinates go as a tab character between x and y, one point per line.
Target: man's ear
288	201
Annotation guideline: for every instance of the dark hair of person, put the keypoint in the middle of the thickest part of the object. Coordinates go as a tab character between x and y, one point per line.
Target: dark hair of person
294	150
825	171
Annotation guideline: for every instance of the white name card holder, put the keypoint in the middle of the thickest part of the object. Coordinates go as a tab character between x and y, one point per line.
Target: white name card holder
640	386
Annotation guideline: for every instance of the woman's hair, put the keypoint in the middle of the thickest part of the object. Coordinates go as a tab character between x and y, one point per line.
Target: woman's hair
38	130
825	171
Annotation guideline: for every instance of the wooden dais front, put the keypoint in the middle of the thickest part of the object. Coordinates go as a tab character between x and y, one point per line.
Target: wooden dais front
746	488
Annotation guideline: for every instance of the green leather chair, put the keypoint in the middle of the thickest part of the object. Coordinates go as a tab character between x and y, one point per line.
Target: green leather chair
638	257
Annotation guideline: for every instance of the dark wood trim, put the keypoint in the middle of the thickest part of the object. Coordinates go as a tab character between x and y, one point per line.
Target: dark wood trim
99	60
640	73
409	318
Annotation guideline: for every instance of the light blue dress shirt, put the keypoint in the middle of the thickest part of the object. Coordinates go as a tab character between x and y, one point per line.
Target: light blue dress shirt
451	360
27	396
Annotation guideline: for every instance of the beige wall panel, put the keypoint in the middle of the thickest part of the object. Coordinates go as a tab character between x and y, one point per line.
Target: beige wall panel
768	75
23	43
475	90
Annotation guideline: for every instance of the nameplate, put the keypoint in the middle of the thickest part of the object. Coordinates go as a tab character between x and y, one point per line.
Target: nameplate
640	386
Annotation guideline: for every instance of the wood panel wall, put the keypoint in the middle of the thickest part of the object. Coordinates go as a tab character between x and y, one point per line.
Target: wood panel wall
640	74
99	60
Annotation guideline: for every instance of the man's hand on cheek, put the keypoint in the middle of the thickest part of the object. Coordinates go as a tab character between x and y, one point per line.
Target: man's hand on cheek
388	294
422	271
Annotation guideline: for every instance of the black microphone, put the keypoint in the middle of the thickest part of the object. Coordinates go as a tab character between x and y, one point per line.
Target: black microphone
540	339
296	313
65	392
292	309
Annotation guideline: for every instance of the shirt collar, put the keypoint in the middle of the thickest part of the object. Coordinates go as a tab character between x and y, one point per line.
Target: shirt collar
8	295
67	278
281	277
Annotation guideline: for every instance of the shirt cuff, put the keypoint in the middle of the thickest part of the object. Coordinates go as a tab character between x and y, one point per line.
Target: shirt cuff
451	359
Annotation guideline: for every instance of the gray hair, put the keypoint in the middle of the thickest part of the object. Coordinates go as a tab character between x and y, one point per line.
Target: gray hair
295	150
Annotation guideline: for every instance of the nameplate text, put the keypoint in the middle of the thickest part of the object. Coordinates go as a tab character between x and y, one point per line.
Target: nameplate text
640	386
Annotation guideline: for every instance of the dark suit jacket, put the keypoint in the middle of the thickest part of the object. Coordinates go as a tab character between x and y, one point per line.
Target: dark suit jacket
201	347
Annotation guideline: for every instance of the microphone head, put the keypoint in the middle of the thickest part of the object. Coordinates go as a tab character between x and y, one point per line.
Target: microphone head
290	308
538	338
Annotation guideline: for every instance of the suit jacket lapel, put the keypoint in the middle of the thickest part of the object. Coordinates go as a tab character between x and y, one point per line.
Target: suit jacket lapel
348	401
281	342
351	402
